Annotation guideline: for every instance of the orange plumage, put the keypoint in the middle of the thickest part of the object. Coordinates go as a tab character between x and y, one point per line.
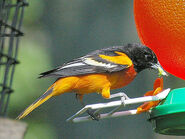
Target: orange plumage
95	82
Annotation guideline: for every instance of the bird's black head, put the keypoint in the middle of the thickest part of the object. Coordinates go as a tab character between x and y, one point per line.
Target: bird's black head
143	58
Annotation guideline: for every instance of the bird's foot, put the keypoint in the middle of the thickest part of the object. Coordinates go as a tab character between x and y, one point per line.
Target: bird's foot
93	114
122	95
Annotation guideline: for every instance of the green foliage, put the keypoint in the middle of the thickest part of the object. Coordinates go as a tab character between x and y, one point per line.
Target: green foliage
28	87
33	13
38	130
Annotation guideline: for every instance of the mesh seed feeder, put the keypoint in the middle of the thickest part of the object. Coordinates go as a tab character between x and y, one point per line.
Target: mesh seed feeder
11	17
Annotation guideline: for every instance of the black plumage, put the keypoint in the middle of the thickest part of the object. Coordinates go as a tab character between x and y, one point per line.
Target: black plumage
142	57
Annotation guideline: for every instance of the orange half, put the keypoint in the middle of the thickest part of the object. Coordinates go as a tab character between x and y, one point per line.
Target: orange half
161	26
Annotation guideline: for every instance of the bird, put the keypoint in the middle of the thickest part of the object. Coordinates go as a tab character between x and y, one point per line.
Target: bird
99	71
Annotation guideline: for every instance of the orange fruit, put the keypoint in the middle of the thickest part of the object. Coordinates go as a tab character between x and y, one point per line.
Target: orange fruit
161	26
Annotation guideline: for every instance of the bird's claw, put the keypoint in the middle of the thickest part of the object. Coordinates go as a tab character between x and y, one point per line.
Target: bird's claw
122	95
94	116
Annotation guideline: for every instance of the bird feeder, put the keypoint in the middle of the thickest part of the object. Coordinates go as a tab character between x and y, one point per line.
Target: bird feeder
169	117
160	26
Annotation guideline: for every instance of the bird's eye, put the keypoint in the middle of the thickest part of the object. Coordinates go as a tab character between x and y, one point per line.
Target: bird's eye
148	57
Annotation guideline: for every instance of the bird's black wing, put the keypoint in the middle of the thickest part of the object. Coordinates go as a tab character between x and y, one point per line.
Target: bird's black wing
100	61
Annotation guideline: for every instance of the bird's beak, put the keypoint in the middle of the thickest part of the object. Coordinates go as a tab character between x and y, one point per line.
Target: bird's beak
160	69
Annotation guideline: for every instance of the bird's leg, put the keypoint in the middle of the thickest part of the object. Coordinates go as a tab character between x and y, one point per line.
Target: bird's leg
94	116
122	95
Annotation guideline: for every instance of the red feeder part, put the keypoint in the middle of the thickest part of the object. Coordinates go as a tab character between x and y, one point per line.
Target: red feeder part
161	26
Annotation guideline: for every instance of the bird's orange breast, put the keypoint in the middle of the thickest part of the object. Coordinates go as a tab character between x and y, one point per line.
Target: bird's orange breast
96	82
123	78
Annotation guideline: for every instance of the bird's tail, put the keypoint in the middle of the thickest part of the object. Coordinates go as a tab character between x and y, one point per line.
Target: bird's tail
59	87
47	95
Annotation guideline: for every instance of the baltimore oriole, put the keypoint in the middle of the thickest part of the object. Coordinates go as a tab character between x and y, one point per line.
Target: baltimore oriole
99	71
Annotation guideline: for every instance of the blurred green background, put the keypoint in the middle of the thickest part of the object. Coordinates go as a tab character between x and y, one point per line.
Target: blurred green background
58	31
